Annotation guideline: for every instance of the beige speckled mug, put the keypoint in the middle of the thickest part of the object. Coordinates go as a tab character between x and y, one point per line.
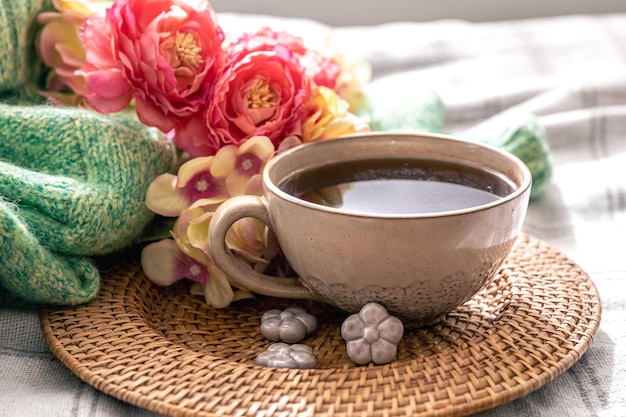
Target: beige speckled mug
420	265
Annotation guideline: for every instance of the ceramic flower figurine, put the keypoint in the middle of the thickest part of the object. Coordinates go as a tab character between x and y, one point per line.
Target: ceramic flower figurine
282	355
372	335
291	325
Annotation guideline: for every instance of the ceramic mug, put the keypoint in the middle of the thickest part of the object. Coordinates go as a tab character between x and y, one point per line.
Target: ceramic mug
420	266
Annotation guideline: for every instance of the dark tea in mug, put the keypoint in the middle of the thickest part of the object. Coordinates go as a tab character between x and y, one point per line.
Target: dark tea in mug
435	219
397	186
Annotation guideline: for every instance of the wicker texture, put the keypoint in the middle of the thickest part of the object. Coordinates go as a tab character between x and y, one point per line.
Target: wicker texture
167	351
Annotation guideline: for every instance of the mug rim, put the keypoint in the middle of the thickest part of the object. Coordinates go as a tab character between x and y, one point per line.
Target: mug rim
525	183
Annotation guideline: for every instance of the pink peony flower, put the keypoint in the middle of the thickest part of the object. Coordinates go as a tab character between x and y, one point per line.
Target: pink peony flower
163	54
268	36
345	78
323	70
260	92
193	136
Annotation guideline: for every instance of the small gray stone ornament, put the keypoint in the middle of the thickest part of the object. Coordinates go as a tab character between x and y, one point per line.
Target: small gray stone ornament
282	355
372	335
291	325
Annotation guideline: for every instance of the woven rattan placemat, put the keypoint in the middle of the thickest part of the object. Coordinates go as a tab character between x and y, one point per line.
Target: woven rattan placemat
167	351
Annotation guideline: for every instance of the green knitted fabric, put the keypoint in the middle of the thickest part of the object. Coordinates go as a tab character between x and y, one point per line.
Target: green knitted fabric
72	181
18	65
79	178
73	185
521	135
33	272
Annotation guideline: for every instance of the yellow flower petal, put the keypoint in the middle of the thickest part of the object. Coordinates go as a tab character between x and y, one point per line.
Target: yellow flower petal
218	292
158	262
224	161
261	146
254	186
86	8
198	232
242	295
192	252
180	232
246	238
236	183
163	198
288	143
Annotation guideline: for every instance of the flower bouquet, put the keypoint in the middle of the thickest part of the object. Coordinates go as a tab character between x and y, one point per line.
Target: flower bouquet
227	104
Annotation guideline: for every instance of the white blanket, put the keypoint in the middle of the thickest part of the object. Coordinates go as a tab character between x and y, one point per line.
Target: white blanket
570	72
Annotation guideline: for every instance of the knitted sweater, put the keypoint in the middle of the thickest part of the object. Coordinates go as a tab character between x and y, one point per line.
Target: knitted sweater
72	181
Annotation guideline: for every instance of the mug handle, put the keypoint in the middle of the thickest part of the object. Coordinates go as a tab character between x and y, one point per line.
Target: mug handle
243	275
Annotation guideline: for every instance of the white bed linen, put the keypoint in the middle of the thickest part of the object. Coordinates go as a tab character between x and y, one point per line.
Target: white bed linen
568	71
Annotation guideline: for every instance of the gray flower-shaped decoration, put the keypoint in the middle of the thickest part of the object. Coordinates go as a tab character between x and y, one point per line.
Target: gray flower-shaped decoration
290	326
282	355
372	335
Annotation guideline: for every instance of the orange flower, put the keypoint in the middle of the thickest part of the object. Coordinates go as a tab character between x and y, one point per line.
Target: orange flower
327	116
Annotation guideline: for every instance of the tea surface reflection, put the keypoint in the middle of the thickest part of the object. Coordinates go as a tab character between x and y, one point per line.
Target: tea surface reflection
397	186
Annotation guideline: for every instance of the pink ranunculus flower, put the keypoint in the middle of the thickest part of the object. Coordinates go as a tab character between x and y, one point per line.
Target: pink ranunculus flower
163	54
326	69
268	36
260	92
60	49
322	69
193	136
